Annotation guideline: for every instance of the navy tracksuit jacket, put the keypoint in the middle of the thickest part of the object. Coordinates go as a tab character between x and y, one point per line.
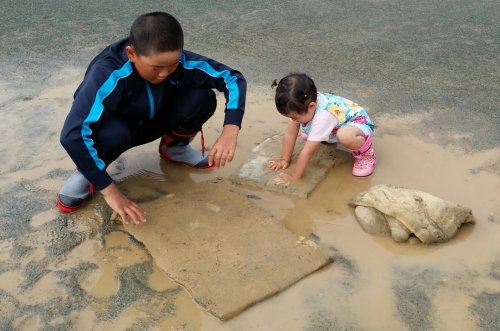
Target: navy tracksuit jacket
112	86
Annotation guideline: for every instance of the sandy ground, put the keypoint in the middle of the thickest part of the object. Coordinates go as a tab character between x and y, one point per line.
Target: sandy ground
85	274
427	72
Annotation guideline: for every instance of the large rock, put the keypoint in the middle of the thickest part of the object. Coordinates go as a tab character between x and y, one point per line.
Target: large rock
402	213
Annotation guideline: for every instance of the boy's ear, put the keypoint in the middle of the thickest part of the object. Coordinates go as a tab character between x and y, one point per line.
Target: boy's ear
131	53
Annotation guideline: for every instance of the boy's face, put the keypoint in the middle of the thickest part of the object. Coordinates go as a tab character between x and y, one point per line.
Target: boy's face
156	67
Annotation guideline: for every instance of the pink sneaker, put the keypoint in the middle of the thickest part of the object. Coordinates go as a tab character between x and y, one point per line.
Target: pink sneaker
364	159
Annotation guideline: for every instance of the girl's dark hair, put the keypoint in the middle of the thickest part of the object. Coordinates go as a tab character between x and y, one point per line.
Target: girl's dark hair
156	32
294	93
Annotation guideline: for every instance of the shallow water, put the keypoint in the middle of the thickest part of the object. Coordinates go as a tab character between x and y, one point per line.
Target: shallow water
447	286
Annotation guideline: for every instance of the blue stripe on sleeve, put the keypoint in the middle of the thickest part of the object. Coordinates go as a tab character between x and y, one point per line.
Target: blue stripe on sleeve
98	107
230	81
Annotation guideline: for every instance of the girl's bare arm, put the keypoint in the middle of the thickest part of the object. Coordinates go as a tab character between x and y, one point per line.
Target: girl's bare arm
310	148
289	139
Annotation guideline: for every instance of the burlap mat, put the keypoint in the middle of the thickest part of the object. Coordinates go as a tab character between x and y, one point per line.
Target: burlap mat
225	251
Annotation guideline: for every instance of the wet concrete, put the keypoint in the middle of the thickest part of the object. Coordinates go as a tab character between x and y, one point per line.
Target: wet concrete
428	72
256	172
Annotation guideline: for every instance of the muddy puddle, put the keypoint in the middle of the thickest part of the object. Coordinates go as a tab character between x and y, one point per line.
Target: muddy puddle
61	274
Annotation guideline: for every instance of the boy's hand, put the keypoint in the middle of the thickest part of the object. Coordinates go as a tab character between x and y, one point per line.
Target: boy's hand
283	179
123	206
280	164
224	147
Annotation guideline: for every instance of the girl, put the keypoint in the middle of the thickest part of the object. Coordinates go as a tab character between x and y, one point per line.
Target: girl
320	117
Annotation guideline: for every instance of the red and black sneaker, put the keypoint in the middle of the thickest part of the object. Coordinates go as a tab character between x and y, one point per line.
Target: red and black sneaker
179	151
68	204
74	192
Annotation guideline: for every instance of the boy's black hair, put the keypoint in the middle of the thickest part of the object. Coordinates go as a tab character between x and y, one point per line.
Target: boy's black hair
156	32
294	93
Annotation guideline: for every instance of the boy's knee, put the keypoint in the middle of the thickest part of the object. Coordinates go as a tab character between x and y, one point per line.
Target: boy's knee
195	108
208	100
113	137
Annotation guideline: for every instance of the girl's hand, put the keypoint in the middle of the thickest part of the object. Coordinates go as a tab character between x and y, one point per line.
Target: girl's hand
280	164
283	179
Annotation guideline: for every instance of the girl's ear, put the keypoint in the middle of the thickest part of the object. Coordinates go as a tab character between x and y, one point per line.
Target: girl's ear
312	106
131	53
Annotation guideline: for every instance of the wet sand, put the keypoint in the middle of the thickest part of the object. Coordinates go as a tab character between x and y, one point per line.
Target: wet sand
95	276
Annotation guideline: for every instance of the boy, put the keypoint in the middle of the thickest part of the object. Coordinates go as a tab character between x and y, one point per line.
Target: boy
137	90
